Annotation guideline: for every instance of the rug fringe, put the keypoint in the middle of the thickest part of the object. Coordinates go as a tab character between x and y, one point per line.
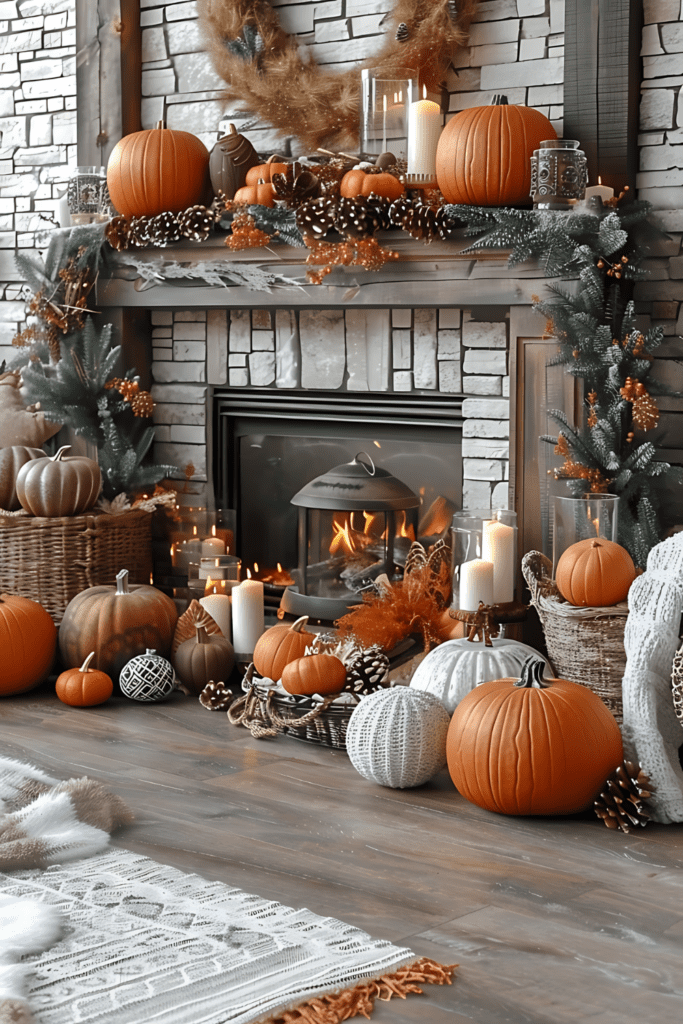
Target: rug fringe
360	1000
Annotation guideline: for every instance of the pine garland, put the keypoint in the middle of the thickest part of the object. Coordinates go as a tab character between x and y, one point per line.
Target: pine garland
599	343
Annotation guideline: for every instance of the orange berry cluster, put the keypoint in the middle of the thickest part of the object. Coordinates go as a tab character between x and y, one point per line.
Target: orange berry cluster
355	252
245	234
141	402
572	470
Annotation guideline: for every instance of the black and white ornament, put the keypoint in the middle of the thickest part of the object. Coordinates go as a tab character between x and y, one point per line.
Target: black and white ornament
148	677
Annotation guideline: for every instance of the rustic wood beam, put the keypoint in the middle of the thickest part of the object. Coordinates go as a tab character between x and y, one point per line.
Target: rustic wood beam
602	85
131	66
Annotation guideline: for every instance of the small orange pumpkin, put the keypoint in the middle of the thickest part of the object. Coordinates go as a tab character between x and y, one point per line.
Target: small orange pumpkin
28	639
84	687
265	171
532	745
316	673
595	573
260	194
359	183
279	645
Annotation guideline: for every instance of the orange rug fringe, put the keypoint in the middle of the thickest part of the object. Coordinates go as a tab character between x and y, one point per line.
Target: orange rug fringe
360	1000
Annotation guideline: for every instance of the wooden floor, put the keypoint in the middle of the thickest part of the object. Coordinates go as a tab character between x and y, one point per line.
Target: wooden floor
553	921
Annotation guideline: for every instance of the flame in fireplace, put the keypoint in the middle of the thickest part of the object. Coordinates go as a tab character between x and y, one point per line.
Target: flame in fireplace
403	530
342	541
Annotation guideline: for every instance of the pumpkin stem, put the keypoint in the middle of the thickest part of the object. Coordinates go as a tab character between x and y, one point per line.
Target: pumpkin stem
531	675
297	626
85	666
202	635
160	124
122	582
232	130
499	100
59	456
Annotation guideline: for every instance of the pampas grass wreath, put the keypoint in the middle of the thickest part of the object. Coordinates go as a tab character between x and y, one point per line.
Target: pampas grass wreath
277	81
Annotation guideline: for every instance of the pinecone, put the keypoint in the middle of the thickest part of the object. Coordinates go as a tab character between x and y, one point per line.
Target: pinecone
164	229
117	233
367	671
621	802
296	186
402	33
421	222
398	210
216	697
195	223
452	8
645	412
677	685
316	217
351	218
138	232
377	213
330	175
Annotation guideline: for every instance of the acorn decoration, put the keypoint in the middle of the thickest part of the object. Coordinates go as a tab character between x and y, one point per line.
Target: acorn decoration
230	159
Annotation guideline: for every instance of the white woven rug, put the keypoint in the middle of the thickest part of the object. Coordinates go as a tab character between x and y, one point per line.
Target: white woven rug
147	944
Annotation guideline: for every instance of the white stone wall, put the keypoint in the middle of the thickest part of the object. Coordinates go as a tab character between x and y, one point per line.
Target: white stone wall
423	350
37	132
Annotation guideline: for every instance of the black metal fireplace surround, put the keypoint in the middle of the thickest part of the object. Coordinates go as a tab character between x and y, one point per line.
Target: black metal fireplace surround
268	444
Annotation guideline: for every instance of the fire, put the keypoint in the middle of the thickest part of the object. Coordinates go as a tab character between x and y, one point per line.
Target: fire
342	540
404	531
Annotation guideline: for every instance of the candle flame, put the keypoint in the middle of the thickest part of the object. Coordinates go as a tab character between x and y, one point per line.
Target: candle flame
377	444
216	562
248	574
209	587
194	531
213	530
279	567
255	566
384	103
172	550
424	92
151	579
599	180
342	540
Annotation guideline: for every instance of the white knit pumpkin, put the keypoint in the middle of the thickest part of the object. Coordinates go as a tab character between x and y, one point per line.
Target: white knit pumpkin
397	737
452	669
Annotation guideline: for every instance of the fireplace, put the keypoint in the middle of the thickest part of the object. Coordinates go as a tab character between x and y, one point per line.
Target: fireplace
268	446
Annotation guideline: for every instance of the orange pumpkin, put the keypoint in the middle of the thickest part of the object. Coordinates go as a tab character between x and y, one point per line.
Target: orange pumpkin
117	623
59	486
11	461
84	687
317	673
260	194
483	154
265	172
279	645
156	170
28	639
203	658
360	183
595	572
532	745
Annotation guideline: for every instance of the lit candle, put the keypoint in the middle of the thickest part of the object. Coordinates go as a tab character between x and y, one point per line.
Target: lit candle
476	584
603	191
213	545
247	617
424	129
186	551
498	547
219	608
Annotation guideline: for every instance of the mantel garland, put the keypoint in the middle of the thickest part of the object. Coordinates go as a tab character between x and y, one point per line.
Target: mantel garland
278	81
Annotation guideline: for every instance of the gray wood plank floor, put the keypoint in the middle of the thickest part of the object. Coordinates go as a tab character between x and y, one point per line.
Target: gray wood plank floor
551	920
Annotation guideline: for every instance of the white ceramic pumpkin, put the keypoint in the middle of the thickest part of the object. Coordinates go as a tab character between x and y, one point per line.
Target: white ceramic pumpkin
452	669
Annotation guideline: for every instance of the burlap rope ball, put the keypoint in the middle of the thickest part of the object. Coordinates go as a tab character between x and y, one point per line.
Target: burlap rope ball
147	677
397	737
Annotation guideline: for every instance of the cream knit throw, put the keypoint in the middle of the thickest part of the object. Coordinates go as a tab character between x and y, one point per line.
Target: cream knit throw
652	733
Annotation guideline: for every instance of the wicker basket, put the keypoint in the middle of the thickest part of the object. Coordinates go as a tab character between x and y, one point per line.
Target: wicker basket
52	560
326	728
585	645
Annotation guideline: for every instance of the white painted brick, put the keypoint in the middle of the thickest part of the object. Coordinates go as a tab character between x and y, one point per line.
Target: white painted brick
158	83
365	26
659	179
557	15
489	408
65	86
354	7
189	393
656	109
402	317
329	9
462	101
463	79
541	95
485	448
262	368
506	387
30	106
197	117
151	18
661	10
40	130
189	316
262	341
287	349
486	428
162	317
650	40
64	127
532	49
161	434
659	158
167	372
8	62
160	354
40	155
152	110
189	331
499	53
450	377
15	42
195	73
350	50
178	11
10	80
449	318
183	37
36	69
188	434
182	455
476	494
482	469
239	378
528	8
14	131
448	344
530	72
53	103
8	9
533	27
660	66
402	349
424	348
323	356
153	44
403	380
240	330
481	385
217	346
500	496
55	22
672	37
487	33
237	359
480	334
189	351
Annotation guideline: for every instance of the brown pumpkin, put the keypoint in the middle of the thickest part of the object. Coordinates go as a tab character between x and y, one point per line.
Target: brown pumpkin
58	486
595	573
28	639
260	194
316	673
230	160
84	687
279	645
360	183
11	461
483	156
158	170
203	659
117	623
532	745
265	172
20	424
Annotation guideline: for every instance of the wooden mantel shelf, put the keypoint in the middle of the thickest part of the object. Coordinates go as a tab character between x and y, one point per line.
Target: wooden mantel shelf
438	274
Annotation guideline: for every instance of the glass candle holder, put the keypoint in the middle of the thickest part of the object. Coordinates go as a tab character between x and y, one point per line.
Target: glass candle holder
583	518
484	557
222	567
559	174
87	195
222	524
186	528
384	107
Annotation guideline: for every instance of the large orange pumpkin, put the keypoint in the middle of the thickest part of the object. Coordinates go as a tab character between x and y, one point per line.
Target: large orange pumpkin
117	623
156	170
84	687
532	745
594	573
483	154
28	639
279	645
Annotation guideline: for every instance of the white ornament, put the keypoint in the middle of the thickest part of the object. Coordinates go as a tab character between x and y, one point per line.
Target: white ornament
397	737
454	668
147	677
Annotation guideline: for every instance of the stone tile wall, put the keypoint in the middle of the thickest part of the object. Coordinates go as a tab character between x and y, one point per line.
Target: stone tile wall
423	350
37	133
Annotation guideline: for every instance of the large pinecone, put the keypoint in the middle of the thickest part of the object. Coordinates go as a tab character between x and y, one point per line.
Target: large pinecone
216	697
351	218
195	223
403	33
138	232
367	671
377	211
117	233
621	803
316	217
164	229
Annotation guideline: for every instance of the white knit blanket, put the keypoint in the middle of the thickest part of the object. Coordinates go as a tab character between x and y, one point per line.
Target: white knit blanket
652	733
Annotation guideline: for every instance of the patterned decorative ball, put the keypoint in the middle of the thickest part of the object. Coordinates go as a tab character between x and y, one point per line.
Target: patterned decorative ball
147	677
397	737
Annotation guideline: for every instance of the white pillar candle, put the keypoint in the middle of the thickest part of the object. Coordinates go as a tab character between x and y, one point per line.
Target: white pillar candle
247	616
424	129
476	584
604	191
218	607
498	546
212	546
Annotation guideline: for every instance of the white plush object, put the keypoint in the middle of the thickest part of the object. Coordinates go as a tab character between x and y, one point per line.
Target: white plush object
652	733
454	668
397	737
